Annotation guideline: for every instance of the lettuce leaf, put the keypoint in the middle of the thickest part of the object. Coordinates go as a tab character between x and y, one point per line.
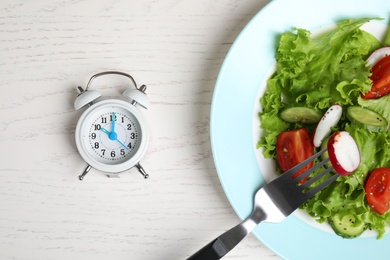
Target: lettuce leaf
318	72
347	193
320	64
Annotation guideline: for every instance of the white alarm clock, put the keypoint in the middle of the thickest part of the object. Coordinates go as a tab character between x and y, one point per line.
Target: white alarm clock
112	135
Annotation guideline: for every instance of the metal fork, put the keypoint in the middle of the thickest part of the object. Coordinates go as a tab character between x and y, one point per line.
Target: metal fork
273	203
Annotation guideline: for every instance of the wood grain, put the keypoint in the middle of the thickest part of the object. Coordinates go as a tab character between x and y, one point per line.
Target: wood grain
176	48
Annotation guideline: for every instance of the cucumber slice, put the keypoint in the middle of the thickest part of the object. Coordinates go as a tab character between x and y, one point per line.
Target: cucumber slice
347	225
367	119
303	115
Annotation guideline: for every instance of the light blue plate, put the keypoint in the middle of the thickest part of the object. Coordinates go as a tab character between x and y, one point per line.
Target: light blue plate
235	97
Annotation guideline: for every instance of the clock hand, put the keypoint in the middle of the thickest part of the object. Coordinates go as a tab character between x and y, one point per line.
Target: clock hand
105	131
113	136
113	122
127	148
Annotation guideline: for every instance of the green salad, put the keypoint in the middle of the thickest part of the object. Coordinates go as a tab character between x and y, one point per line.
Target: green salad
316	73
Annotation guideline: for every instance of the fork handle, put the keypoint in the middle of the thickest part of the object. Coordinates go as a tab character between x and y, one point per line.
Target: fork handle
220	246
211	251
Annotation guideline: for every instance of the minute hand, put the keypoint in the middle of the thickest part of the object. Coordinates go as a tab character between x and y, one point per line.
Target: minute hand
113	122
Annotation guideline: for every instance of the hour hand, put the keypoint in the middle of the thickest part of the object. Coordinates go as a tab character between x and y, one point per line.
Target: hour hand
105	131
112	135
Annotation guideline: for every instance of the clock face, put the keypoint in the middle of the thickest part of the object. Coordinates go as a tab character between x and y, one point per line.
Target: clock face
111	135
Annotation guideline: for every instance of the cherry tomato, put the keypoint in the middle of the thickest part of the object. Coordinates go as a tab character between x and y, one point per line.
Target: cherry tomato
293	147
380	79
378	190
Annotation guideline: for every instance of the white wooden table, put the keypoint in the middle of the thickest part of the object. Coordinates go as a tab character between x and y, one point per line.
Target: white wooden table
176	48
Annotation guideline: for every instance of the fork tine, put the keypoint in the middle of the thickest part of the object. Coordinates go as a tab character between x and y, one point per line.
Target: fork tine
322	185
310	171
310	181
299	166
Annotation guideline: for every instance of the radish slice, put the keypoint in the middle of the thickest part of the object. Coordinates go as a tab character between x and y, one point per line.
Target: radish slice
343	153
328	121
377	55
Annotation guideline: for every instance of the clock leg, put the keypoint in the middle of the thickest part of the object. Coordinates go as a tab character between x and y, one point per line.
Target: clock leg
86	170
141	170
